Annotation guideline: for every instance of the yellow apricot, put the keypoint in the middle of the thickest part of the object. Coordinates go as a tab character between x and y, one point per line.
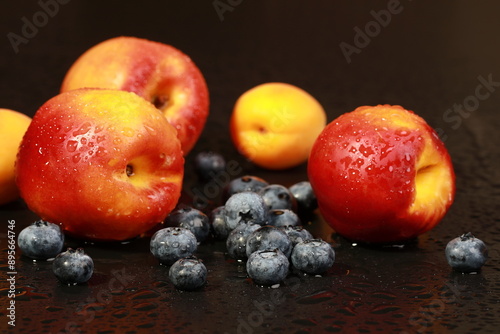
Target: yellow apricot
275	125
13	125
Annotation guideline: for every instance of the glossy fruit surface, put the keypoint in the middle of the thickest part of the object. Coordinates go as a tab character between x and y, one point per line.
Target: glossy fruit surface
381	174
158	72
104	164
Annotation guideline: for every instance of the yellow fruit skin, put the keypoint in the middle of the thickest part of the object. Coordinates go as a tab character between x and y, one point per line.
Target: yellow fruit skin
13	125
275	125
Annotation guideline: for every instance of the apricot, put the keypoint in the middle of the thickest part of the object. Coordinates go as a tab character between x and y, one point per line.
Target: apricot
275	124
13	126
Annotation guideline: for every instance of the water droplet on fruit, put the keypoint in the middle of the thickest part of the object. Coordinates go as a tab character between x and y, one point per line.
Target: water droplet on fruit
391	169
117	141
71	146
128	132
100	139
366	151
83	129
76	158
101	151
83	141
149	129
60	138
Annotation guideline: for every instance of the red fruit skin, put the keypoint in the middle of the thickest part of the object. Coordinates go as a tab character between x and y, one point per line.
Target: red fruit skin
363	170
71	167
151	70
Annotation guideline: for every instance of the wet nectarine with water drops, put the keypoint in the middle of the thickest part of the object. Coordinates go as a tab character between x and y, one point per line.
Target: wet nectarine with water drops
104	164
381	174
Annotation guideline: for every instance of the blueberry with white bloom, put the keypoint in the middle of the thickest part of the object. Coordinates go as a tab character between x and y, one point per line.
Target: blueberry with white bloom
466	253
277	196
268	237
245	207
268	267
314	256
172	243
73	266
244	183
236	242
193	219
297	234
41	240
283	217
188	273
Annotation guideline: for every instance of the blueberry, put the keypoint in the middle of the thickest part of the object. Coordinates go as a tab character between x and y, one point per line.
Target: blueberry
191	219
314	256
209	164
220	229
41	240
466	253
296	234
304	196
244	183
73	266
268	267
268	237
283	217
188	274
245	207
277	196
172	243
236	242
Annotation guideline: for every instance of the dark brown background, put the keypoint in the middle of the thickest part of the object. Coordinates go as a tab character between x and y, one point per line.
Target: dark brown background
431	58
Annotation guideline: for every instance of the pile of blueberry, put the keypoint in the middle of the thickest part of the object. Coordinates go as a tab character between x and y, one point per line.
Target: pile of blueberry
43	241
259	223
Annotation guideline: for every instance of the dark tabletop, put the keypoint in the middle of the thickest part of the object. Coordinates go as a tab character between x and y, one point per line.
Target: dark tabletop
427	56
